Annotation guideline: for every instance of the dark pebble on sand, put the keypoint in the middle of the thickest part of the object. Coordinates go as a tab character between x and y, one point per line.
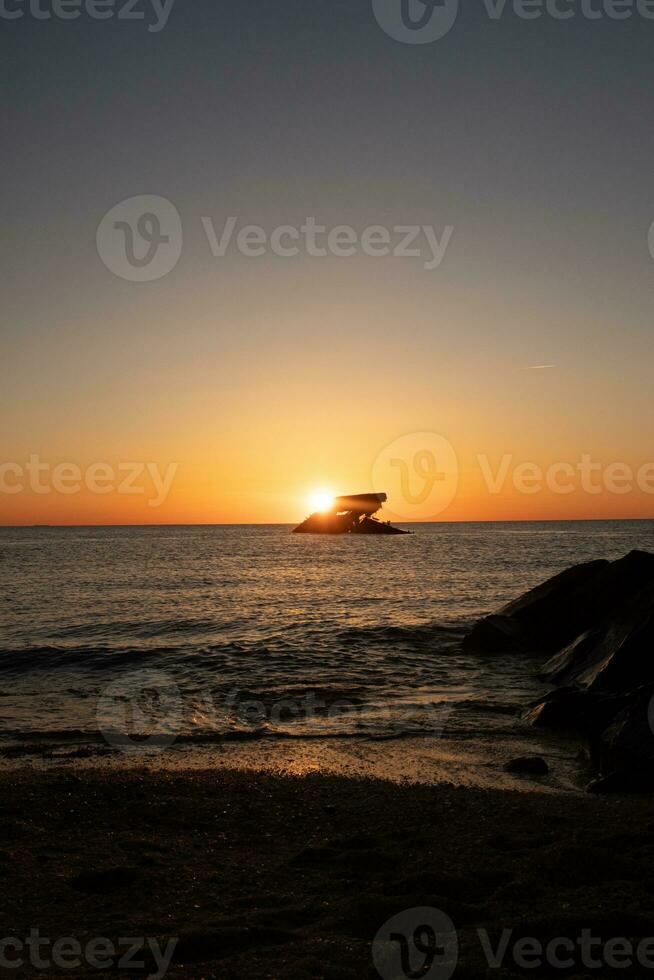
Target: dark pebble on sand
532	765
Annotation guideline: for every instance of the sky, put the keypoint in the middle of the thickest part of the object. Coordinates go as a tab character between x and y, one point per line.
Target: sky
227	388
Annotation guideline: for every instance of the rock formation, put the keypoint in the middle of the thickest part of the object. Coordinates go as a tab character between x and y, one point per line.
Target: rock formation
596	623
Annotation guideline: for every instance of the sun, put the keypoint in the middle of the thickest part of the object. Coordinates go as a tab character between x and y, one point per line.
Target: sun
321	500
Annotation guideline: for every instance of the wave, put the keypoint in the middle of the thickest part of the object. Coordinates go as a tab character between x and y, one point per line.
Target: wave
141	629
302	645
12	741
23	660
422	633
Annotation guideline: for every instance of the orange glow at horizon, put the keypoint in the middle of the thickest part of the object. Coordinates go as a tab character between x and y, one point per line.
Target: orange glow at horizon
255	422
258	493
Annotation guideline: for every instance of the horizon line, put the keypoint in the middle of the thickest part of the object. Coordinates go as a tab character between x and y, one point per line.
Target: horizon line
505	520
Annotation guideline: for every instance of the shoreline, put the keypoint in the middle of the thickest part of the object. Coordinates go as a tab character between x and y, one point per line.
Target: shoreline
263	875
463	762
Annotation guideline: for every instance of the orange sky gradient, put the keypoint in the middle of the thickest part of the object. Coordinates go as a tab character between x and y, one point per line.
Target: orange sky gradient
269	384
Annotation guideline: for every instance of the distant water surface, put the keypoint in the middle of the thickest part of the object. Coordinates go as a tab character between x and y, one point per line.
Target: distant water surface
258	634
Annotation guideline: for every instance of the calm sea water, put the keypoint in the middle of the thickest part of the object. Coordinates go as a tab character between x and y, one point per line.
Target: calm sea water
255	633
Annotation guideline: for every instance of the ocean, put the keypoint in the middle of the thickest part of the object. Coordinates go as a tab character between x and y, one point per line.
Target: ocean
249	645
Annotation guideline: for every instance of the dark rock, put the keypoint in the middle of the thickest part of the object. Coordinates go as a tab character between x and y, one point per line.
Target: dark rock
626	745
559	709
629	781
529	621
598	622
550	613
555	614
495	634
617	718
616	655
568	663
532	765
576	710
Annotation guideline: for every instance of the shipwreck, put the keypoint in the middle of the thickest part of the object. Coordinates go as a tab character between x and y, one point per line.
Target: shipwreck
350	514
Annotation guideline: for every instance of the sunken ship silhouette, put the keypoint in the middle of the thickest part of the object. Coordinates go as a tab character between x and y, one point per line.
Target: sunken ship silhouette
350	514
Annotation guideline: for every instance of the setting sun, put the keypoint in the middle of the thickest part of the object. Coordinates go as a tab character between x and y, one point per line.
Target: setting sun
321	500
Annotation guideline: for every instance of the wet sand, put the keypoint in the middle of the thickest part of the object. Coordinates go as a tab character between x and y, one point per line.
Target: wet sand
476	763
270	876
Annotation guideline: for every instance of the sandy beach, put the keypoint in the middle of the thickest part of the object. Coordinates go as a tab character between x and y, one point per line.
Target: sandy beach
253	874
